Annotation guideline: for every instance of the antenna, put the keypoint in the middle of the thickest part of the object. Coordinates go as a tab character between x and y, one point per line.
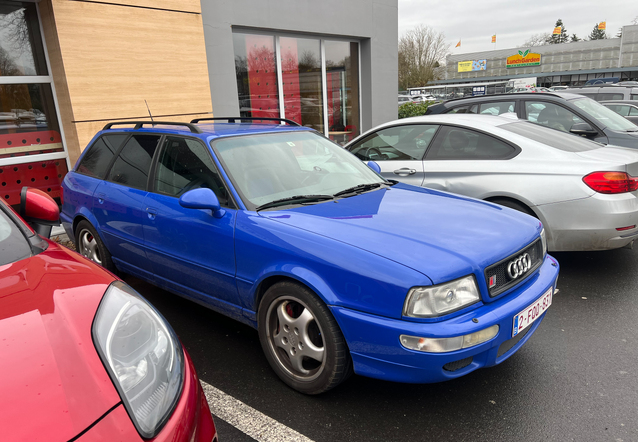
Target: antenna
149	111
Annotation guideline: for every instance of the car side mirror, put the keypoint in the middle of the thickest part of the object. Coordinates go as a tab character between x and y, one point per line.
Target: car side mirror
374	166
202	198
583	129
39	210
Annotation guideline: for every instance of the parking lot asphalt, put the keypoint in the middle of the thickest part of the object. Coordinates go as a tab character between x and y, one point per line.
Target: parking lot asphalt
575	379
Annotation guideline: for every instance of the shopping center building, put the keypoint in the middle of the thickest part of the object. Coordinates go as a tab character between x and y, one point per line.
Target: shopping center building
68	67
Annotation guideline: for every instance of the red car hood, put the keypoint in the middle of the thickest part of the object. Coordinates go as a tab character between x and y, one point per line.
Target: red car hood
52	382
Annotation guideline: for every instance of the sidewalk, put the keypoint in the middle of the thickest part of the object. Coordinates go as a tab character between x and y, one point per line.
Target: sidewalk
59	233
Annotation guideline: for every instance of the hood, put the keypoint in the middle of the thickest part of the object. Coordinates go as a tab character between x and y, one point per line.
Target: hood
625	157
441	235
52	381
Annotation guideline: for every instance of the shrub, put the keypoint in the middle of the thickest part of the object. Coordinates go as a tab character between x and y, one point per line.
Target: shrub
414	109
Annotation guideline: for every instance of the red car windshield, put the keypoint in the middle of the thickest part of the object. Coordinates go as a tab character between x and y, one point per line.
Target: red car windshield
14	246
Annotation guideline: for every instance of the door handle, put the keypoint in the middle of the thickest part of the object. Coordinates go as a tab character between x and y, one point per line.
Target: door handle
152	212
405	171
100	198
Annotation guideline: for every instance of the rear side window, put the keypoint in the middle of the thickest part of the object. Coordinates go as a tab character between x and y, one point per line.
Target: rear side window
399	143
132	166
467	109
186	164
634	96
99	155
455	143
551	137
497	108
620	109
610	96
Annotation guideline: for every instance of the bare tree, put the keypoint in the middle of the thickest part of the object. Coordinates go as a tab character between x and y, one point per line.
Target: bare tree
538	40
421	51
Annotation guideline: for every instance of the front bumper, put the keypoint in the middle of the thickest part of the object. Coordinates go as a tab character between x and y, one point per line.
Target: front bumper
377	352
191	420
591	223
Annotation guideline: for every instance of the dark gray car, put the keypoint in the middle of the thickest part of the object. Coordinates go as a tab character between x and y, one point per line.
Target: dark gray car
563	111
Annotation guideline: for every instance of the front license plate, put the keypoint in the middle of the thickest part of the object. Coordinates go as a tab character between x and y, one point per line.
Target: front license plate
534	311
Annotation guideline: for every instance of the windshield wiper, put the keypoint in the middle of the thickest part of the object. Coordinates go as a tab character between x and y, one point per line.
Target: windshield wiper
295	199
358	189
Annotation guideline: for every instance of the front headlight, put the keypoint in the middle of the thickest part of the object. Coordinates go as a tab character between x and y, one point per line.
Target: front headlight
142	355
544	241
429	302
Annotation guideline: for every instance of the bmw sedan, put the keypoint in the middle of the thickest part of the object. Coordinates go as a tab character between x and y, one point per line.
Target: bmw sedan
338	269
83	356
585	193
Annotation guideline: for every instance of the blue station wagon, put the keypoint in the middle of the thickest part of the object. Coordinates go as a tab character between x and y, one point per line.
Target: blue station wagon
337	268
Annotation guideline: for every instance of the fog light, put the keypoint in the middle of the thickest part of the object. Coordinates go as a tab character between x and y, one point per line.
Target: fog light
444	345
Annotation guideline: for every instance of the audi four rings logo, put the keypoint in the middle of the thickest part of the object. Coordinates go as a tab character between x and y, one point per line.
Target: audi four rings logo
519	266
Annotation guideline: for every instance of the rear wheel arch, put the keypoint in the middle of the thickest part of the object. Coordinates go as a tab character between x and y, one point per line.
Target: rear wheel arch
512	203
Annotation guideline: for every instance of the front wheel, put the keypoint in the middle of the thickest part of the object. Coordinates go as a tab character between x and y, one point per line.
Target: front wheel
301	339
89	244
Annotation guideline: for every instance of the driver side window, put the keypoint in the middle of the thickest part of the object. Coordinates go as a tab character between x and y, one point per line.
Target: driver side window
399	143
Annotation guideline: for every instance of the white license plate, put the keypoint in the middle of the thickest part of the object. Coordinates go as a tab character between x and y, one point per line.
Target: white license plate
533	311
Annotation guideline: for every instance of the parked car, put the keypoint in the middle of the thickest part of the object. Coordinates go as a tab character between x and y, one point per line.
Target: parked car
404	99
598	92
557	88
563	111
423	98
83	356
625	108
585	194
337	268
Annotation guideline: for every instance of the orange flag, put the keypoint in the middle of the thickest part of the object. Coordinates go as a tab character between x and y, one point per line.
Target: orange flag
602	25
557	30
494	38
458	44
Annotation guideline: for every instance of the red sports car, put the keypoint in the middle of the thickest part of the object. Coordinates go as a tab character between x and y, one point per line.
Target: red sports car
83	357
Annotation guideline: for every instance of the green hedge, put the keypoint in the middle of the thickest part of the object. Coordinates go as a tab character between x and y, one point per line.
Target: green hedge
414	109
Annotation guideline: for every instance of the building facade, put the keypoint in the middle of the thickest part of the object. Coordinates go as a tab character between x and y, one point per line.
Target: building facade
68	67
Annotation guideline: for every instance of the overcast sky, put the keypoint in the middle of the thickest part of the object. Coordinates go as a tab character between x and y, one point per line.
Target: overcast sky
513	21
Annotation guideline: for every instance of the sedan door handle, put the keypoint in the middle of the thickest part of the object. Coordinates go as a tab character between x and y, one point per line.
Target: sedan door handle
405	171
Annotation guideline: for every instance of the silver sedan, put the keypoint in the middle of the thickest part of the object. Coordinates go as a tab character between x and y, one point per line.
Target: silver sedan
585	193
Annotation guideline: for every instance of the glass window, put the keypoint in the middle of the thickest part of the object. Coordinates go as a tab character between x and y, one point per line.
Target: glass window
132	166
603	115
551	115
256	71
99	155
21	51
634	96
342	79
620	109
455	143
633	111
557	140
398	143
497	108
268	167
13	244
610	96
186	164
301	77
468	109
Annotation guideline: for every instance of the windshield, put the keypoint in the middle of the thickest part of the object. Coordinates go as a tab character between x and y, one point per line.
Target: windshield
605	116
13	245
551	137
269	167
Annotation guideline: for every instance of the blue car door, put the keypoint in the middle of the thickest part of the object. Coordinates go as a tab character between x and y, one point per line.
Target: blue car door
191	251
118	204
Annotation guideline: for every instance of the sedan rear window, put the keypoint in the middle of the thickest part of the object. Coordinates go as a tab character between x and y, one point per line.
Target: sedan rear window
550	137
13	245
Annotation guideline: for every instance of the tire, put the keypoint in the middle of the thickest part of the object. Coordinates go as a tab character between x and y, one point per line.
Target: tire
308	352
89	244
514	205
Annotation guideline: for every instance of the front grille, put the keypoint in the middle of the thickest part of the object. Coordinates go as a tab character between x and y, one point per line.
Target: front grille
457	365
498	272
507	345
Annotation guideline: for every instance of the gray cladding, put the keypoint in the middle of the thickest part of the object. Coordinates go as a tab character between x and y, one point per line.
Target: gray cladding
611	53
373	23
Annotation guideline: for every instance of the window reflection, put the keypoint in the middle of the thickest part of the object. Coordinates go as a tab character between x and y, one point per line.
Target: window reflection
255	67
301	74
342	78
20	55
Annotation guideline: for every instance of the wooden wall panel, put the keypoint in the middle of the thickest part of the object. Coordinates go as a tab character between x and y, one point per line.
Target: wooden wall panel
111	58
173	5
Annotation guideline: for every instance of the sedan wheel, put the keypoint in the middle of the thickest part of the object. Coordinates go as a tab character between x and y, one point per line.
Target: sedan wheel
301	339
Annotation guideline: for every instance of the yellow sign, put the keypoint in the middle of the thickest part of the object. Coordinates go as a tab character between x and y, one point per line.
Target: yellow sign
558	30
472	65
523	59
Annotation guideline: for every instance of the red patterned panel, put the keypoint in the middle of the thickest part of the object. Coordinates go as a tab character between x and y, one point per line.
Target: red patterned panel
29	143
44	175
290	76
262	76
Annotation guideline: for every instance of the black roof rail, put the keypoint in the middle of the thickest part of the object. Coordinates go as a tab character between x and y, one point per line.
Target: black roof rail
242	119
139	124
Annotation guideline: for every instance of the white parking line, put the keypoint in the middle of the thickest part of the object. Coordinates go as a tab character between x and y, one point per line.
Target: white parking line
248	420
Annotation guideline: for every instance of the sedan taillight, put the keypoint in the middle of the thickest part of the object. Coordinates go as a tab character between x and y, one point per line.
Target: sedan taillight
611	182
